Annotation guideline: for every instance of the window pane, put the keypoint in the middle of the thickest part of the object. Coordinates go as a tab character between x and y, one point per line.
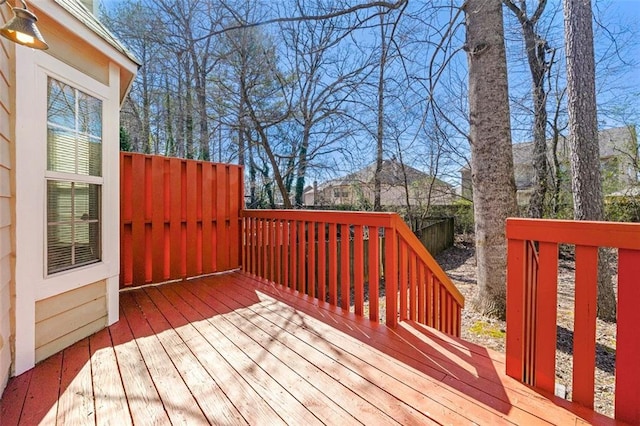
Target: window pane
89	156
73	230
87	243
61	105
59	207
89	115
59	248
74	131
61	151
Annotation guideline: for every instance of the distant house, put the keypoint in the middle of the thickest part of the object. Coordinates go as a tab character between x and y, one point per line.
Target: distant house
357	188
59	181
618	160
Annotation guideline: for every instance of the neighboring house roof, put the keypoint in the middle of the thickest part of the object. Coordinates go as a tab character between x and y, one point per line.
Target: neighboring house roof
81	13
391	175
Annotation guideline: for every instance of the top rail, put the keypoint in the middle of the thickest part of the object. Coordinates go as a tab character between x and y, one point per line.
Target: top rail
345	258
584	233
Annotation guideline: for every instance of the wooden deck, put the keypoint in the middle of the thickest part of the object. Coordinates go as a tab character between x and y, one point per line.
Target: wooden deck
233	350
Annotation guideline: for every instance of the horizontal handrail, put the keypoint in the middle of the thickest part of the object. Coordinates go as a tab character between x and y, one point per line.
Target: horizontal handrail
335	255
411	238
532	276
584	233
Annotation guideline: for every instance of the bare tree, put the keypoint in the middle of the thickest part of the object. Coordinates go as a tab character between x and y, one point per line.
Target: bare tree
494	194
536	49
583	134
327	76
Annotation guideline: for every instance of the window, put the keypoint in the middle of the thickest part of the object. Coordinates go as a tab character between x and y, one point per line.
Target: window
74	177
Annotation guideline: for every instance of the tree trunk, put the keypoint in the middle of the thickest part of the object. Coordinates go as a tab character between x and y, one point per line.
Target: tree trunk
583	135
188	124
302	165
537	67
494	192
377	202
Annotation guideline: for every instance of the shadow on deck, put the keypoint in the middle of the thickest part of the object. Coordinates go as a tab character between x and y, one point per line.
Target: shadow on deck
230	349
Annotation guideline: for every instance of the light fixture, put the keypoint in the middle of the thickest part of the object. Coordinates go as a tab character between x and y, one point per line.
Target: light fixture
22	28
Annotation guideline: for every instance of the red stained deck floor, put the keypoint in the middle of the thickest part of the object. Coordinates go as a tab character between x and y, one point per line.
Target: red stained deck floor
232	350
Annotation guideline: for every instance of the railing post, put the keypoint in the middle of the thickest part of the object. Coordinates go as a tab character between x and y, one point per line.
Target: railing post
628	338
391	276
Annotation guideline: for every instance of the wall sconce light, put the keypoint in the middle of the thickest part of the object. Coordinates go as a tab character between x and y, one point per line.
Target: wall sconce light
22	28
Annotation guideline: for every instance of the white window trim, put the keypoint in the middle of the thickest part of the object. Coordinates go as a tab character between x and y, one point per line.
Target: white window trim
32	284
74	178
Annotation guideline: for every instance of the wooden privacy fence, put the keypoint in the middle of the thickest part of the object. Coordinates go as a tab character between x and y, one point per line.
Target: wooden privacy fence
178	218
438	235
532	286
344	258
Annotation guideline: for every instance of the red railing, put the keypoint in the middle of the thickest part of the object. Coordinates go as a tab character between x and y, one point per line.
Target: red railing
334	256
178	218
532	306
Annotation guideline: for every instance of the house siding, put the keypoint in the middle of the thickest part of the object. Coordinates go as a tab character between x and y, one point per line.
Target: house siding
64	319
6	209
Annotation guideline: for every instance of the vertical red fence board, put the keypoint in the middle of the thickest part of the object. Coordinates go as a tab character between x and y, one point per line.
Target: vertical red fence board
628	339
235	198
170	211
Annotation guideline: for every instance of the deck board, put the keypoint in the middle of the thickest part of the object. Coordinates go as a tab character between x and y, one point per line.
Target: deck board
108	391
142	397
230	349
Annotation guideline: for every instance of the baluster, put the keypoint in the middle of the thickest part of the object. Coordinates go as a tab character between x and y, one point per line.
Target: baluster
391	276
301	257
345	279
584	334
322	261
311	269
333	265
374	273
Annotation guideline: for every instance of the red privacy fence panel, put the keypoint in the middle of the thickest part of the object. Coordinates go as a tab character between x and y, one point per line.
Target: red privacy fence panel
178	218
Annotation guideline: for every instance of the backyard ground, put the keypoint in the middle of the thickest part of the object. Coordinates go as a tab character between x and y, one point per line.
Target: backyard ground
459	264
